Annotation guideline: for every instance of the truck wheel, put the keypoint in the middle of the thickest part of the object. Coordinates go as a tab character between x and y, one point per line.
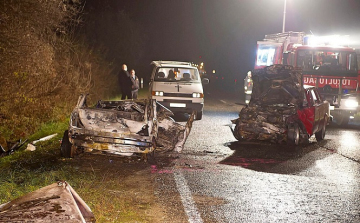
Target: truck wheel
199	115
321	134
66	147
293	135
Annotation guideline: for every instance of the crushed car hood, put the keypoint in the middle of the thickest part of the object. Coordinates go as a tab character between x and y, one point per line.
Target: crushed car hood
109	121
277	85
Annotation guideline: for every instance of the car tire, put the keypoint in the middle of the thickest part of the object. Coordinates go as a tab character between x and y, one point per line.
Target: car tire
66	146
199	115
321	134
293	135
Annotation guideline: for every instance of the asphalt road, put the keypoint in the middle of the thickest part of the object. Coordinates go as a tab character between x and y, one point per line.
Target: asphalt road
217	179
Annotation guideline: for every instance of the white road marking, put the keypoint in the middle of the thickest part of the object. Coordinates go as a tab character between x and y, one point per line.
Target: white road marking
223	101
186	198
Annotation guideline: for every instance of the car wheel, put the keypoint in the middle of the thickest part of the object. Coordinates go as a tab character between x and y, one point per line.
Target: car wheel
321	134
66	147
199	115
293	135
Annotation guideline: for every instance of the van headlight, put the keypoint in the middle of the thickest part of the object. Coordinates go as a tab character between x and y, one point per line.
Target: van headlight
197	95
158	93
351	103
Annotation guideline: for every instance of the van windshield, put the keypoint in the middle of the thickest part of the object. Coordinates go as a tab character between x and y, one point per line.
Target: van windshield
176	74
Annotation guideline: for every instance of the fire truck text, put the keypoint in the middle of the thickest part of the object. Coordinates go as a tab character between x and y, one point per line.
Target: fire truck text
333	82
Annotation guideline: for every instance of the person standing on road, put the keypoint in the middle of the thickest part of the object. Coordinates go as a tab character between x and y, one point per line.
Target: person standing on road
135	84
125	83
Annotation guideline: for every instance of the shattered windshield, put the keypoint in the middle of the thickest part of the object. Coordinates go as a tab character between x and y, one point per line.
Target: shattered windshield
321	60
176	74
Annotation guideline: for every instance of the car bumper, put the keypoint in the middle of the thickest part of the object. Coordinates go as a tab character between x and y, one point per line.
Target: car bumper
182	106
110	142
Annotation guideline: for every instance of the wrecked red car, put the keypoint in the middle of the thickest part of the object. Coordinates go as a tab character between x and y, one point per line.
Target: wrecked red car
281	109
123	127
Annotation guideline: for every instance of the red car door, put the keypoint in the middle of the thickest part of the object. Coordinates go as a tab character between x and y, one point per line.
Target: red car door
317	109
307	113
321	111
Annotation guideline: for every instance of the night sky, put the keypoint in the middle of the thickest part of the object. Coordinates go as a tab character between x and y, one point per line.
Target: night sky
224	32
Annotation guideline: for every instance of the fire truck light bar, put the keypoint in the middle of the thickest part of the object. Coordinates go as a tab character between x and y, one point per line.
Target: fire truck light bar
333	40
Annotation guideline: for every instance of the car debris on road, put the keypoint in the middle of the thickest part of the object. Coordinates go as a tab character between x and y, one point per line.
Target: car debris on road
123	127
281	109
14	147
57	202
31	146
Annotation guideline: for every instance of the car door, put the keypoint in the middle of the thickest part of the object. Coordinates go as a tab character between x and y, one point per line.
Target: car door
307	112
322	108
317	109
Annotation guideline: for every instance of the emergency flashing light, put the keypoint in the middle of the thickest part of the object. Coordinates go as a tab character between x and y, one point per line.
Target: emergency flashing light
333	40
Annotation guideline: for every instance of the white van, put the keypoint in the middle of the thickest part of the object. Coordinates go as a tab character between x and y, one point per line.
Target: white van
178	86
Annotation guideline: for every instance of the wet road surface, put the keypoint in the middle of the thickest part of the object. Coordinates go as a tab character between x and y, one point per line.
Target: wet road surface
217	179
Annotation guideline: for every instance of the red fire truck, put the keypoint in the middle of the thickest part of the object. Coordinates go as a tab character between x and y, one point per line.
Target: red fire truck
327	63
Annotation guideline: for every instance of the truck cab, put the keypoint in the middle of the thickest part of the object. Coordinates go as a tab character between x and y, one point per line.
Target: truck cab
334	71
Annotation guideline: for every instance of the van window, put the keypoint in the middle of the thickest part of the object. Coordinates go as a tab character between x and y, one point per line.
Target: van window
176	74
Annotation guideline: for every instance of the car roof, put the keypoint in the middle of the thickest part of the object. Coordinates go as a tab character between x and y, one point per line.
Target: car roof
161	63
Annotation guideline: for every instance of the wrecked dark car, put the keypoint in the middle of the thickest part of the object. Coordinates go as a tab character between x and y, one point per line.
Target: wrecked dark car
281	109
123	127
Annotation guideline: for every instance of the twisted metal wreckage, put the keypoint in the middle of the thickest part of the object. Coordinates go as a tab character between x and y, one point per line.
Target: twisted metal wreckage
123	127
280	110
57	202
117	127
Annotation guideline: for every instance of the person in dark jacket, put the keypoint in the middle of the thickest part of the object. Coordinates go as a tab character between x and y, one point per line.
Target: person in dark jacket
125	83
135	84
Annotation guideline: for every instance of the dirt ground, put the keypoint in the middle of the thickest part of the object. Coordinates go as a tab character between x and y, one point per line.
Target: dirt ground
129	188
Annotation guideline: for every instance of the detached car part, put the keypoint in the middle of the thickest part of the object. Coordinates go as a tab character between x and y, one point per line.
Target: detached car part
123	127
57	202
281	109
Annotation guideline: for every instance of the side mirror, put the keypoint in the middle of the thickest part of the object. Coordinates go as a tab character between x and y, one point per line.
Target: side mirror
205	81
